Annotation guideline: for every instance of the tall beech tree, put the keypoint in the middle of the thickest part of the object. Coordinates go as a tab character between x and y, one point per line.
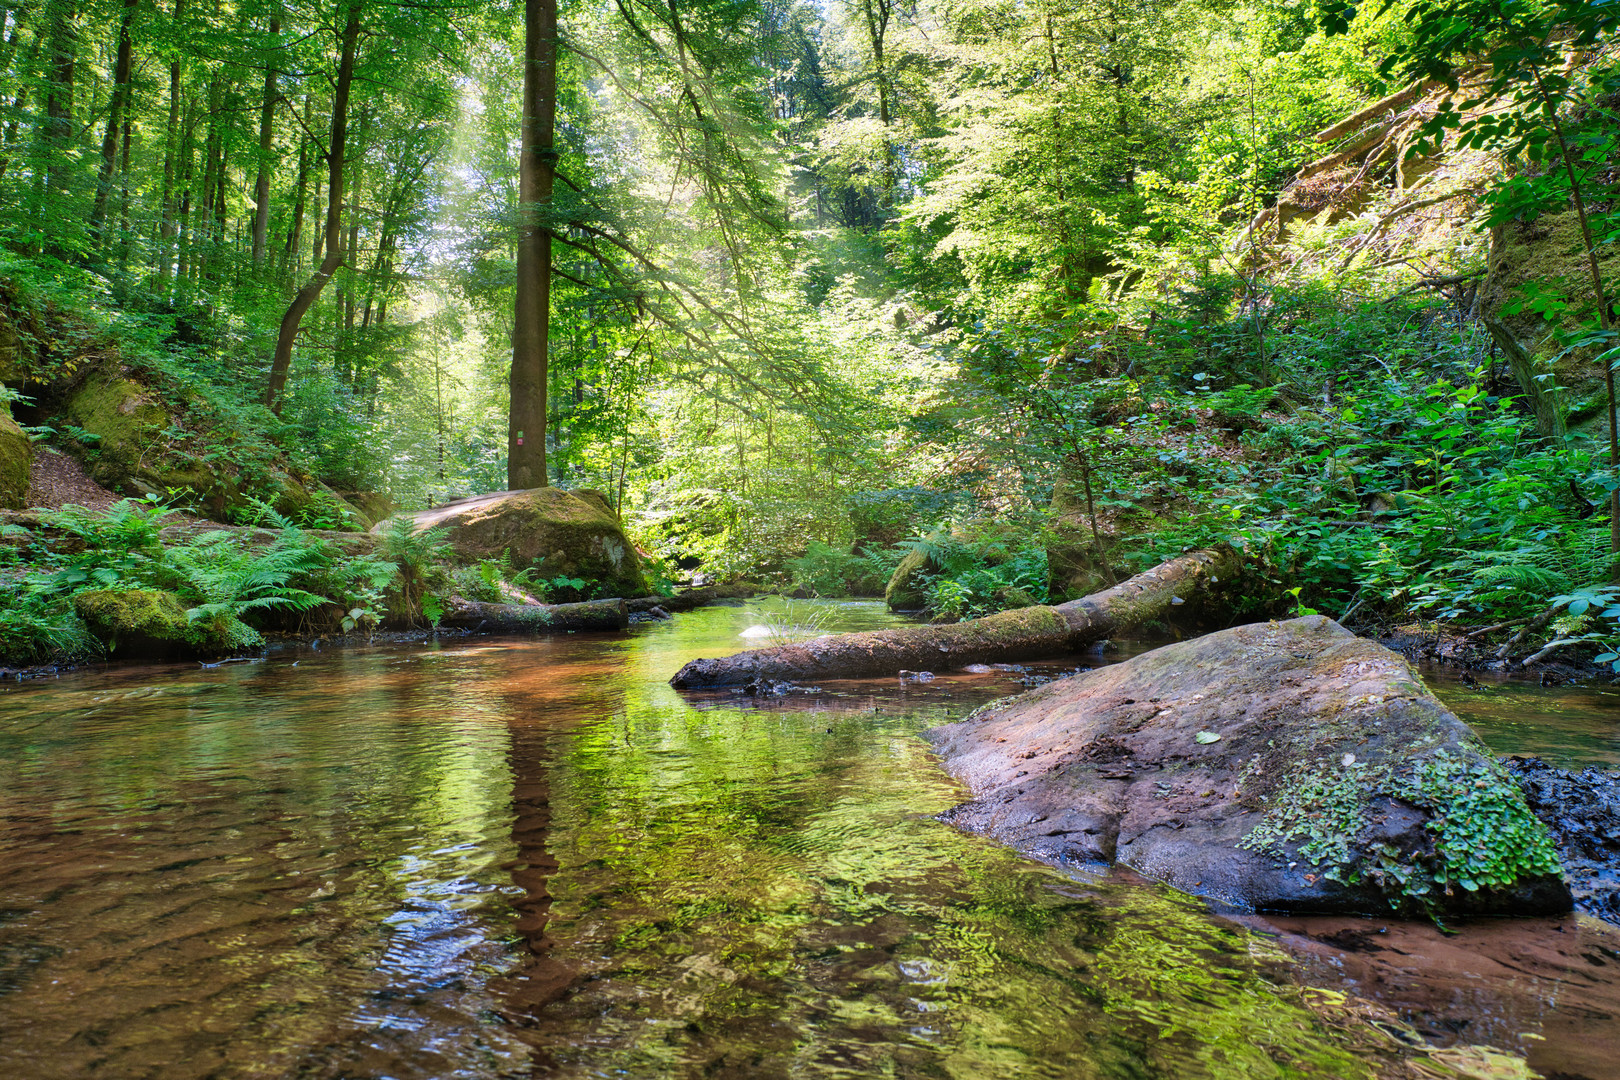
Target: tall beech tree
281	362
531	314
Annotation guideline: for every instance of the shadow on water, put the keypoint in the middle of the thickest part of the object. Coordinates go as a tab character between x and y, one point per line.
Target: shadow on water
532	858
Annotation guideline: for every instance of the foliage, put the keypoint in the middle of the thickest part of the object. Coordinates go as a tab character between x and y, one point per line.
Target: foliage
976	575
1484	836
826	571
249	580
415	555
793	620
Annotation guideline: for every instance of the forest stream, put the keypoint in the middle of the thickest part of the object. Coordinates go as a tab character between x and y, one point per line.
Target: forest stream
475	857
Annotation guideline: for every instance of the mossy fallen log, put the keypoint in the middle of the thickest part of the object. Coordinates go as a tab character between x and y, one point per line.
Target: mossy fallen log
1024	634
689	599
537	618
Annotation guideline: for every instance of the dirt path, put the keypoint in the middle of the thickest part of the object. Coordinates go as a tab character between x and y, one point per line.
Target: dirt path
56	480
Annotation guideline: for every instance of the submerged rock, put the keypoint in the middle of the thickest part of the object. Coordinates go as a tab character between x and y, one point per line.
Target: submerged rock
573	534
1280	767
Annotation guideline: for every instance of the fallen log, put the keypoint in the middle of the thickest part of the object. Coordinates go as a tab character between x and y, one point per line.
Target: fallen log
696	598
537	618
1023	634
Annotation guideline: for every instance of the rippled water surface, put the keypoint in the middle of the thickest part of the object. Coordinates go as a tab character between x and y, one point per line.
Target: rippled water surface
483	858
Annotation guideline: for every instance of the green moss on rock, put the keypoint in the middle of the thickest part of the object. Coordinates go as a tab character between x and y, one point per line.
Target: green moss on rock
1547	254
152	624
557	532
16	456
125	450
905	589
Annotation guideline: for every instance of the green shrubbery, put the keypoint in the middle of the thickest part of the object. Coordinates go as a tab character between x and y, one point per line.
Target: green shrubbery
826	571
238	582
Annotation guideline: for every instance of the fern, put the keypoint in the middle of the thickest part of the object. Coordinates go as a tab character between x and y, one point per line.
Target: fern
232	579
414	554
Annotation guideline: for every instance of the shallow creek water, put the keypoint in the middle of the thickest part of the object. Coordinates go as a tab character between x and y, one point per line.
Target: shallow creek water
498	858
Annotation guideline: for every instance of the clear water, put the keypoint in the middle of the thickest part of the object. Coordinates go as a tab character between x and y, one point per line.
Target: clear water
483	858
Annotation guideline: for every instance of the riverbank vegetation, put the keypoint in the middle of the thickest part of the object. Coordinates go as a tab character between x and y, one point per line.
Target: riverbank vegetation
973	305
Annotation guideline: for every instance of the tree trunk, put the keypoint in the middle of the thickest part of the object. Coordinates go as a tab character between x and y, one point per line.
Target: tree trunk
531	316
292	256
261	186
171	154
537	618
58	121
281	363
1024	634
125	241
696	598
116	111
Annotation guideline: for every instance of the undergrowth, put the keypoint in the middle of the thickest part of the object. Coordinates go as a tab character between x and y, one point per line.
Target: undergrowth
292	579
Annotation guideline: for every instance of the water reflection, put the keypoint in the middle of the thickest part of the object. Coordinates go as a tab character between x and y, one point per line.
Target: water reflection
489	859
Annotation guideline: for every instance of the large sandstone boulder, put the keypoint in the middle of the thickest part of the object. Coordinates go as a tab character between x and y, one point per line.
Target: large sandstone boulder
1279	766
16	458
557	532
1548	255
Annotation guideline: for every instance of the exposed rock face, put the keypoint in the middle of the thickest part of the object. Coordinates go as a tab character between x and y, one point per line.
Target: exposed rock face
1548	252
1278	766
16	458
572	533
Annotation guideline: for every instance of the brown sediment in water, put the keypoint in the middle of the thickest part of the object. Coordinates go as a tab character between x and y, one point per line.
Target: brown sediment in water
1548	989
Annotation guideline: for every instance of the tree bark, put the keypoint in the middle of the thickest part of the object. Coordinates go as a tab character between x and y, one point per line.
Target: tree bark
171	154
292	255
537	618
537	164
261	185
116	111
281	363
1024	634
58	120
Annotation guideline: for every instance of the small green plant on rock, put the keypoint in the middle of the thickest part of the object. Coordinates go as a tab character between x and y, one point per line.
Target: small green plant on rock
1483	835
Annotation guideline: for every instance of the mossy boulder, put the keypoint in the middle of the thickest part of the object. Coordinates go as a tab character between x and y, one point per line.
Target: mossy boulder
16	458
1277	766
123	444
1544	255
557	532
150	624
370	506
906	590
130	445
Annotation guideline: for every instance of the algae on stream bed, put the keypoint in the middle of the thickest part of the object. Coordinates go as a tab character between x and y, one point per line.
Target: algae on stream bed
532	858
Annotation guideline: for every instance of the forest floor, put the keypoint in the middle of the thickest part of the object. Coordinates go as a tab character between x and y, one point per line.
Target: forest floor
56	480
